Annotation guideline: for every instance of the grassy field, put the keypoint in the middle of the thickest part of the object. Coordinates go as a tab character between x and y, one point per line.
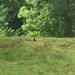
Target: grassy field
45	56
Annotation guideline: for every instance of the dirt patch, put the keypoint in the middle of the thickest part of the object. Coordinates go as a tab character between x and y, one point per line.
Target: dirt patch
11	44
41	47
66	45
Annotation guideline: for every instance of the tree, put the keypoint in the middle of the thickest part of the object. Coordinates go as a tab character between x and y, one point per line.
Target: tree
13	9
63	14
40	17
3	14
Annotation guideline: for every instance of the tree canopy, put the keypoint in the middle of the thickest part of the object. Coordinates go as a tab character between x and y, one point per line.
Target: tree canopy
51	18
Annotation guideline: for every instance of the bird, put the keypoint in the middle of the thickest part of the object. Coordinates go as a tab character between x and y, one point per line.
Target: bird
34	39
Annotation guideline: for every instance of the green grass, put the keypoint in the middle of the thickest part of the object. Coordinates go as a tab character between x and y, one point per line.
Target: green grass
46	56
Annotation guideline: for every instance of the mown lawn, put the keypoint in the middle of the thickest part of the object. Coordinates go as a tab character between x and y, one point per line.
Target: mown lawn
45	56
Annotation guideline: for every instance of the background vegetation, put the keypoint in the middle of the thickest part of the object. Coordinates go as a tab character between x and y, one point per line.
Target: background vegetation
53	18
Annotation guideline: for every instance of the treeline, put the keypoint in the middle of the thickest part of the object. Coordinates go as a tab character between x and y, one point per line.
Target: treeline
48	18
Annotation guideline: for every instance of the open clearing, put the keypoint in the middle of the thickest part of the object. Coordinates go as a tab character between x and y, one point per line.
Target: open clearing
45	56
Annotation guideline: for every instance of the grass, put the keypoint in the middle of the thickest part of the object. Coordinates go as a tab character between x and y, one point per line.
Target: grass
46	56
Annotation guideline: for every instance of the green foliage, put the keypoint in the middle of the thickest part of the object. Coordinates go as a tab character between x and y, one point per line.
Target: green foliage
3	13
3	23
49	18
30	23
52	18
6	32
35	33
17	32
11	15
